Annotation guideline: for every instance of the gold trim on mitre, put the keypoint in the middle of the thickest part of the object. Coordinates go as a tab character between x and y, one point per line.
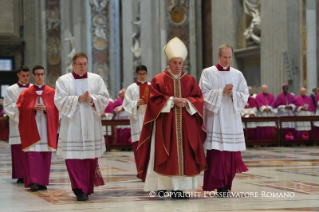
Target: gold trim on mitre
175	48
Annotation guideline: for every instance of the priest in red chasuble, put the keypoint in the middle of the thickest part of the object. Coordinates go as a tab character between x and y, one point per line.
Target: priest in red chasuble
38	126
170	148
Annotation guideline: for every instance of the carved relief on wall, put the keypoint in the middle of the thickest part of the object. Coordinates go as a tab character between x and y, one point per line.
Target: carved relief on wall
136	39
99	32
53	19
54	50
102	70
98	5
177	10
70	39
252	8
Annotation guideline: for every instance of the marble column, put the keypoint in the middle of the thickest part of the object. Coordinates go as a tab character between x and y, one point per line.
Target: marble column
74	32
273	43
311	45
163	31
225	29
150	38
34	30
114	51
128	15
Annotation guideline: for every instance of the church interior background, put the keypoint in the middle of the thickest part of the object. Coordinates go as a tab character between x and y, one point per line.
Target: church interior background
275	42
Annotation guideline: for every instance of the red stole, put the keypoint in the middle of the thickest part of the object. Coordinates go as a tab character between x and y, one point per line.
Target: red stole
179	136
27	123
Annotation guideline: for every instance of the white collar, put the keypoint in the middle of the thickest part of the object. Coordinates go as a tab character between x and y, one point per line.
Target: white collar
39	86
223	66
175	76
22	83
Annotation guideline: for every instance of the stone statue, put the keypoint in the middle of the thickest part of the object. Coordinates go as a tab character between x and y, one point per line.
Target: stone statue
69	68
252	8
98	5
136	47
136	36
53	19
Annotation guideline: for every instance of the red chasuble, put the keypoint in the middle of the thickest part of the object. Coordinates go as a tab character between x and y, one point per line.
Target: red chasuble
179	136
27	124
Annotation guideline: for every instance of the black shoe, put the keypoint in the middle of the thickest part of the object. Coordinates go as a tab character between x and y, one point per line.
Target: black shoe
161	193
179	195
20	180
34	187
82	197
42	187
222	192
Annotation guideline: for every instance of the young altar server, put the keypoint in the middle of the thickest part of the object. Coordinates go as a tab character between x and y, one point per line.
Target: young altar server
38	126
81	98
136	107
9	103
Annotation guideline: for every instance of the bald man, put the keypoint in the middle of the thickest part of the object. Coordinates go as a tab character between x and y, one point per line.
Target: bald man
304	107
266	108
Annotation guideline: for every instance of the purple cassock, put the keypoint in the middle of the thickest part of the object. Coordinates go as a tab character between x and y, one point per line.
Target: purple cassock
304	128
123	134
222	168
37	168
266	130
84	174
316	123
17	158
288	131
251	131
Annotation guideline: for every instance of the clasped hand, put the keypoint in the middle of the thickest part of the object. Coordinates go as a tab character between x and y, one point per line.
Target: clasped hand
85	97
228	90
140	102
40	107
180	102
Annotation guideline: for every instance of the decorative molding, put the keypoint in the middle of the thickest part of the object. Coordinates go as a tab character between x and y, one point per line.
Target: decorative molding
53	19
99	32
177	12
54	50
136	39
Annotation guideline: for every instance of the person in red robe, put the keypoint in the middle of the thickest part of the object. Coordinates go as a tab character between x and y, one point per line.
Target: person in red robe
170	150
38	126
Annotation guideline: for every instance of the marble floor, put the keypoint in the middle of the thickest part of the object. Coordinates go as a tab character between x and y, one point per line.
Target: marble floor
279	179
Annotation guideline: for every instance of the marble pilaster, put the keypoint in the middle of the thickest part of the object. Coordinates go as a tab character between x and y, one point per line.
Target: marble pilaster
311	45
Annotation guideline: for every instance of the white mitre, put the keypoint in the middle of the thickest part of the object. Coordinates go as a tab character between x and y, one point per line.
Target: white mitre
175	48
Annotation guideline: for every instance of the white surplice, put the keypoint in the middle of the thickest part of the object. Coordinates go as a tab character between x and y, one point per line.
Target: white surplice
41	120
137	113
9	103
303	125
222	113
154	181
271	113
246	112
81	134
283	111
